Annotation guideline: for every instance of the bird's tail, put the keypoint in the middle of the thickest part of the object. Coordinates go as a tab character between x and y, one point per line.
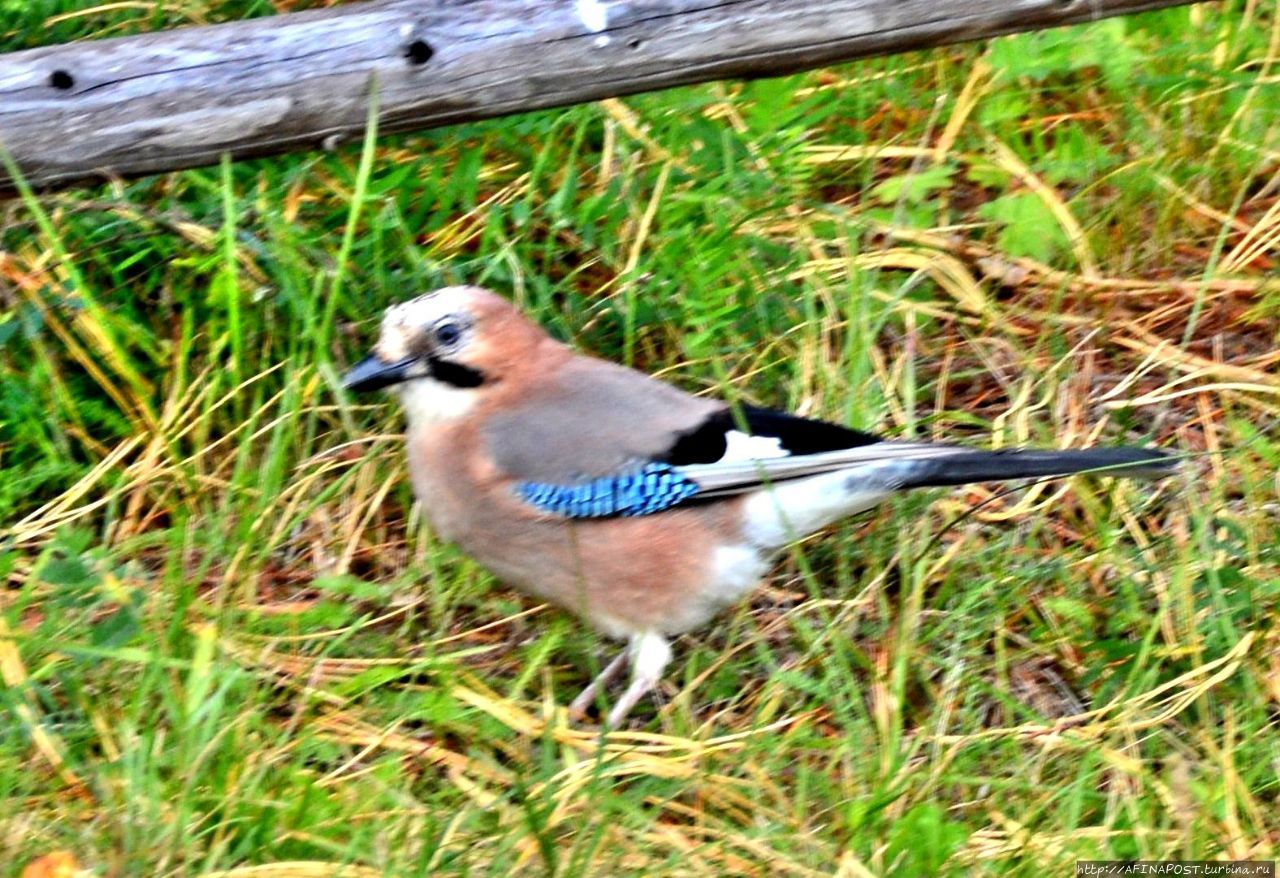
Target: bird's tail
900	465
792	507
972	465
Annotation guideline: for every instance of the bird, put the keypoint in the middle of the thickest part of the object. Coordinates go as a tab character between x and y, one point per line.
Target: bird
641	508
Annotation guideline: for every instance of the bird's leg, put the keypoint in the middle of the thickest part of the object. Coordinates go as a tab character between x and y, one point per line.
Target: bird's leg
649	654
578	708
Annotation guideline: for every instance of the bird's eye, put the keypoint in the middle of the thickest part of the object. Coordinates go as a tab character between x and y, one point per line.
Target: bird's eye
447	334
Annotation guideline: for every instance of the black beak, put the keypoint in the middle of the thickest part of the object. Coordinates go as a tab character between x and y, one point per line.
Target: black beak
373	374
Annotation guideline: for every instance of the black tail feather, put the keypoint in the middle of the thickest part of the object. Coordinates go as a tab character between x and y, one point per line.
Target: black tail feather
994	466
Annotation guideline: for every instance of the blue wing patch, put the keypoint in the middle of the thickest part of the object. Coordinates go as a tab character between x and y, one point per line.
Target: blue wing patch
656	487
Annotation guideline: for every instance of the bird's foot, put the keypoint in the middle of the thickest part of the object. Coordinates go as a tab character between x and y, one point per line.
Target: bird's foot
649	654
578	709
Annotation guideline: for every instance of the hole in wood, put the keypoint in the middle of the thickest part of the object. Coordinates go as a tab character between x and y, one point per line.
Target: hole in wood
62	80
635	43
418	52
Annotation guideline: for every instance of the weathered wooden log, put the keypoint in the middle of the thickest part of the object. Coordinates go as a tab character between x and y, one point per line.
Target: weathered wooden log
178	99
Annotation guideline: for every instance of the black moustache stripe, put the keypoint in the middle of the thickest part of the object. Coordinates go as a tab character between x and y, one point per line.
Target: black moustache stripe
454	374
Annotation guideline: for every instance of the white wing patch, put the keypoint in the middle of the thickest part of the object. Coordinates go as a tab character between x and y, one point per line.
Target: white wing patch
739	447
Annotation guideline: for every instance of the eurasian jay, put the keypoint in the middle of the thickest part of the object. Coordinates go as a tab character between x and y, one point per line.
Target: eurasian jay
641	508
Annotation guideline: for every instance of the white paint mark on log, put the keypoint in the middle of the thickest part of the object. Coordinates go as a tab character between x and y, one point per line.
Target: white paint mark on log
594	15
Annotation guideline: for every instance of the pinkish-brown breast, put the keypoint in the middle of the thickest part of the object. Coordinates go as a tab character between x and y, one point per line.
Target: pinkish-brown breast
624	575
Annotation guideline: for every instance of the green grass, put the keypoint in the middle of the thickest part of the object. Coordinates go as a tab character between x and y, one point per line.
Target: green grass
227	641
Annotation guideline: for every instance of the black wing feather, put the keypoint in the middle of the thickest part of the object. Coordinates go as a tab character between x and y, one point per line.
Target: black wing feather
707	442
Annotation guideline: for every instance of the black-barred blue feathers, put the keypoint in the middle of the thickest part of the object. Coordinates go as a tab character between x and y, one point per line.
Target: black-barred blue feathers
652	489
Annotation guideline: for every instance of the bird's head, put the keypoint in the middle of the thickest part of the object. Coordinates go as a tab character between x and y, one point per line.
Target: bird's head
441	352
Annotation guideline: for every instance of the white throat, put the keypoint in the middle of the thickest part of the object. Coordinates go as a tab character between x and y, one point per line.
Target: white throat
426	401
